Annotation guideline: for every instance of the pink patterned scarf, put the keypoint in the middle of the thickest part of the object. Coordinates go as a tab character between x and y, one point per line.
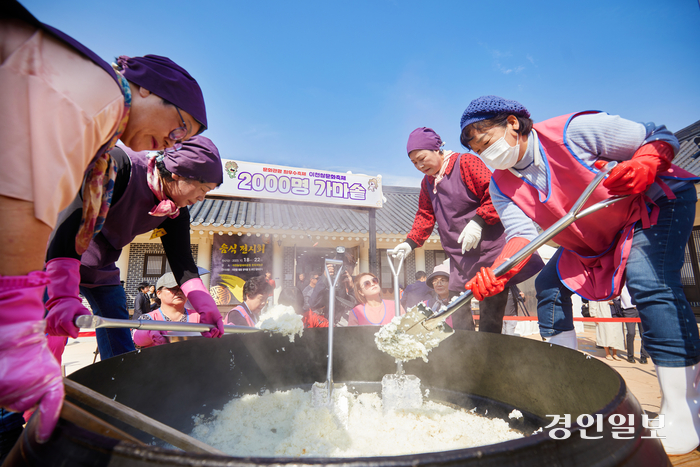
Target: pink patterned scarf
99	181
166	207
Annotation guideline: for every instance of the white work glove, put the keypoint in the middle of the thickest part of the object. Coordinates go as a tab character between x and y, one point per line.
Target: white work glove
470	236
402	248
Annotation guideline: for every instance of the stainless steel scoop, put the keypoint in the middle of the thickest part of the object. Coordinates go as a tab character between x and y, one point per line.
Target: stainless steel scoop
399	391
95	322
430	328
322	393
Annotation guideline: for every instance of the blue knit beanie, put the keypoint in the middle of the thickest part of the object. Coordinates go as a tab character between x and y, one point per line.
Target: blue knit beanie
485	107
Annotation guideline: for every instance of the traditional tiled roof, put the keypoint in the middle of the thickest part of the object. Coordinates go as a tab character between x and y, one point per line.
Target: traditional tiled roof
688	157
394	218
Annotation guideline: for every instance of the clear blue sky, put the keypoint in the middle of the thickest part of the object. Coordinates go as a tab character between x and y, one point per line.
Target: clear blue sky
339	85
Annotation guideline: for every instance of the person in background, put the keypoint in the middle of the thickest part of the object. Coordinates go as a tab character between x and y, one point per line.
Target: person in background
269	279
291	296
172	308
628	310
309	290
256	291
417	292
344	293
515	297
142	304
372	309
302	282
441	295
152	190
61	109
311	318
607	334
541	170
455	195
152	298
273	286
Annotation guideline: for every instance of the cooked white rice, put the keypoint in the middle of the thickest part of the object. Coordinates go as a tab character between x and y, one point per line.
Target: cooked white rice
281	319
287	424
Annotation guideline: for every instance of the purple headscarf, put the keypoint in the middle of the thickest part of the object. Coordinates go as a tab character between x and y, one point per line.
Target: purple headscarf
423	138
168	80
199	159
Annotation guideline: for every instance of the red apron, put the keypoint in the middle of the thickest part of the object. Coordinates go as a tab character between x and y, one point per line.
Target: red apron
596	247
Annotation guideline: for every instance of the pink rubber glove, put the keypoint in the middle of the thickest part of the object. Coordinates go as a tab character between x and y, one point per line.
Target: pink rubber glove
204	304
635	175
144	338
64	305
29	373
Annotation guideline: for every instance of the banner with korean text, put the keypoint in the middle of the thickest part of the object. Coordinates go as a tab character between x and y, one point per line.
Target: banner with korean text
234	260
266	181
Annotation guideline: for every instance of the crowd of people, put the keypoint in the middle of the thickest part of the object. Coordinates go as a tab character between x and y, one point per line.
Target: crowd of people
71	197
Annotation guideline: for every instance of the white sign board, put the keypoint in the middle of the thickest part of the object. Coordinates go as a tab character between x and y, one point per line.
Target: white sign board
266	181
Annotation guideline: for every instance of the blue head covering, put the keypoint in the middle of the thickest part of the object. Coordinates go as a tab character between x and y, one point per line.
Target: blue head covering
485	107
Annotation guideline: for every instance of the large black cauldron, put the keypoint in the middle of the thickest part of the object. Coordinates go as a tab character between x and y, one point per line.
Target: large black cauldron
171	383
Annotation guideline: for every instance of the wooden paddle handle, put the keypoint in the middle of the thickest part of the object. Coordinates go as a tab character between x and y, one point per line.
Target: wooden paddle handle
85	419
136	419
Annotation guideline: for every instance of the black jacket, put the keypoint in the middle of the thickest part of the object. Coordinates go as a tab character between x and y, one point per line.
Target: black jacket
142	305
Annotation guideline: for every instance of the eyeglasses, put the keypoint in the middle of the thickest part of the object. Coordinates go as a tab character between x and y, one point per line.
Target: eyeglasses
174	290
369	283
441	281
177	135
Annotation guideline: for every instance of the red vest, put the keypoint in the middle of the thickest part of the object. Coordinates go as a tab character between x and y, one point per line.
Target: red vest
597	246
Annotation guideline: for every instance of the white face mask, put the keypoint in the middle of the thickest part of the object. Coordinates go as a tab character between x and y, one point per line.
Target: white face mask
501	155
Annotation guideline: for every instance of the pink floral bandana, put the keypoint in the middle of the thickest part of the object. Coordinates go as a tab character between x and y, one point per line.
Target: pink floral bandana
166	207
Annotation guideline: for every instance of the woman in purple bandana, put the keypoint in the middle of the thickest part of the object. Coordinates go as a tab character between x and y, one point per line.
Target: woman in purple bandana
541	169
61	109
455	196
152	190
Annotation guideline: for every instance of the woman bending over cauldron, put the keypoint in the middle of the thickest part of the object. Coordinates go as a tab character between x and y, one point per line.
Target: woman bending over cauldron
61	109
256	291
541	169
172	308
152	190
372	310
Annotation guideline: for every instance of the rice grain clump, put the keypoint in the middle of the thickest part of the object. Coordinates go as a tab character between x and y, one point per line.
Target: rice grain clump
281	319
287	424
399	344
